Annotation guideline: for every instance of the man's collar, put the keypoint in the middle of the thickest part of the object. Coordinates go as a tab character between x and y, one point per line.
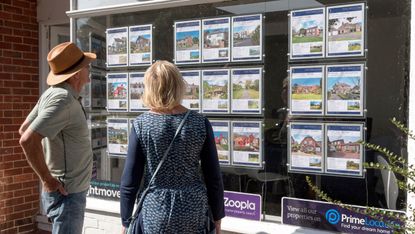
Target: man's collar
71	90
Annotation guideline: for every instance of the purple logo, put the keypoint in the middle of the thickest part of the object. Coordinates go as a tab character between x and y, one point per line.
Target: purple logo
242	205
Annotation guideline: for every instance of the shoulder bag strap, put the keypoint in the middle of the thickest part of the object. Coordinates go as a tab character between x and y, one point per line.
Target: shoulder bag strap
137	211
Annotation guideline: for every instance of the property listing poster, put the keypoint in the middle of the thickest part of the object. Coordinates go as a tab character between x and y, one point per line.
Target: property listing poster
306	90
344	90
307	33
246	90
221	133
187	46
136	90
117	135
215	91
117	47
344	152
117	92
97	46
247	38
191	99
216	37
246	143
306	147
141	37
345	26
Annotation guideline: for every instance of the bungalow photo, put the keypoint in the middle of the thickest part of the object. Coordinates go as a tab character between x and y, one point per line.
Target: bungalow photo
246	141
187	40
117	90
306	89
140	44
307	31
216	38
215	89
246	36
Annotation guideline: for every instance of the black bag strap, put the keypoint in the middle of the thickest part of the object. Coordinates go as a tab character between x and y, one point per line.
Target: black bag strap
137	211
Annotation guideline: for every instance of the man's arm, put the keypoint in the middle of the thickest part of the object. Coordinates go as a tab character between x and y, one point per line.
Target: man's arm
24	126
31	143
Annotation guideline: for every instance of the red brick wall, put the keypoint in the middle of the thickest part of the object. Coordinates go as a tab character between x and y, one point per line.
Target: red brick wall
19	90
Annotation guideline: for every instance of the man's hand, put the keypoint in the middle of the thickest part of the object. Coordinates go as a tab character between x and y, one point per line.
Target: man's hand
53	185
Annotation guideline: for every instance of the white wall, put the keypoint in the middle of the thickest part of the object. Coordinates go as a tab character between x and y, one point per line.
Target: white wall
53	11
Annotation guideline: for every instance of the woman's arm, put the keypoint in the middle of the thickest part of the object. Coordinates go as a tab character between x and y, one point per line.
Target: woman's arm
131	177
212	175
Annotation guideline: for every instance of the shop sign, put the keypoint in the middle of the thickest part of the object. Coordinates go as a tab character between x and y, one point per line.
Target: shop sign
331	217
242	205
104	190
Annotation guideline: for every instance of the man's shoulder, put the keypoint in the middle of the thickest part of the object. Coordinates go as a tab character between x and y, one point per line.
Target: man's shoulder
56	94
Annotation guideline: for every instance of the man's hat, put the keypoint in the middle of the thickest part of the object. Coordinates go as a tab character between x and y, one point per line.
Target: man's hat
65	60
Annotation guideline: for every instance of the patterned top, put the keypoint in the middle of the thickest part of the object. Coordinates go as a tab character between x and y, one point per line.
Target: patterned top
178	199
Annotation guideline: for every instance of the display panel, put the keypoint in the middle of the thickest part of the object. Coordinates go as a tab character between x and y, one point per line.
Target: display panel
187	42
117	47
307	34
215	40
247	38
140	45
306	90
247	143
136	90
117	92
344	90
192	97
344	153
215	91
221	132
306	147
246	90
97	45
117	132
346	30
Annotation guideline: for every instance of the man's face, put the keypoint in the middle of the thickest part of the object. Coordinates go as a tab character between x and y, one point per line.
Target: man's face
84	76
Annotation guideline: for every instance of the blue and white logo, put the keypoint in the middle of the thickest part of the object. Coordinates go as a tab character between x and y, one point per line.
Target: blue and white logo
333	216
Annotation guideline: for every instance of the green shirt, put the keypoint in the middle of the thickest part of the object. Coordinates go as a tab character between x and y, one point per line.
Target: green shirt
59	117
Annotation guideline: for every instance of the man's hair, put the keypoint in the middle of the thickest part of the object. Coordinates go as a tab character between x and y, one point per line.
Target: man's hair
164	86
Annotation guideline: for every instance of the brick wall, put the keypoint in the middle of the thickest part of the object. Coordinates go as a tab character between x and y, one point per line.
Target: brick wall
19	90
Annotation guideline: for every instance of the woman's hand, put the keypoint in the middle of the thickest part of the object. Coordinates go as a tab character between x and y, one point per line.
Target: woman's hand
217	226
123	230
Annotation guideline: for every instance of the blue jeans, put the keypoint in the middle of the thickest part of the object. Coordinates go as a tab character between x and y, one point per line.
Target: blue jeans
65	212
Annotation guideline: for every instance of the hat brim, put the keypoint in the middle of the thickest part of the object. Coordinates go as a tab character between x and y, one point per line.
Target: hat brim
54	79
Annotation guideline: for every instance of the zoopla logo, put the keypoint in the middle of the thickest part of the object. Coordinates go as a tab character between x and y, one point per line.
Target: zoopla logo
333	216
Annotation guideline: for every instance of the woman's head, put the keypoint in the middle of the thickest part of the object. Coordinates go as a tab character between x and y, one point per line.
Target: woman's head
164	86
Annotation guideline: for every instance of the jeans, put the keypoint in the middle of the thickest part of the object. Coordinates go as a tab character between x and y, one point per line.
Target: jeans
65	212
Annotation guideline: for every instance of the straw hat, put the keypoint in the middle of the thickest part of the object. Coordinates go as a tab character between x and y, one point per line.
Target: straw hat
65	60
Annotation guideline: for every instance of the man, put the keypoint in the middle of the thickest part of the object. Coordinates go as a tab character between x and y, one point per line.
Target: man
58	122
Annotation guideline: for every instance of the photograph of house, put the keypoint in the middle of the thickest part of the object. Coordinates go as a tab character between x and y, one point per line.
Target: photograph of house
187	40
246	141
345	29
192	91
306	89
306	143
136	90
305	31
117	135
117	90
245	88
343	147
246	36
117	45
343	88
215	89
216	38
140	44
221	140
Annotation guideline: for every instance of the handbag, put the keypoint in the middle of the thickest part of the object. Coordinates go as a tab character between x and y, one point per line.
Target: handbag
135	224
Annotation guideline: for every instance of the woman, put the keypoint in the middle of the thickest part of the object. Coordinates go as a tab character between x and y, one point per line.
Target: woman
179	199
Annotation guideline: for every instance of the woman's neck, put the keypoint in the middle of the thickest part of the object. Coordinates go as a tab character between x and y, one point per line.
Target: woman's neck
179	109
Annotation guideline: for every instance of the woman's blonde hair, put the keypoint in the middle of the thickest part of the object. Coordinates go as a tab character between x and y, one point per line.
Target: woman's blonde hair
164	86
